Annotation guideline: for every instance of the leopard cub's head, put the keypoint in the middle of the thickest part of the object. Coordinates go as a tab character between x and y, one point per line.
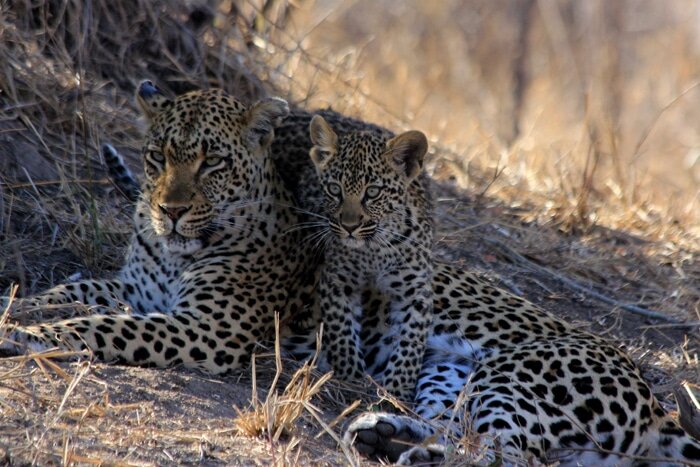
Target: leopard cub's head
365	178
203	156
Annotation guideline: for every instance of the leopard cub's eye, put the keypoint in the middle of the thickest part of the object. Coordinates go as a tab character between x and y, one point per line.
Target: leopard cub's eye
212	161
334	189
372	192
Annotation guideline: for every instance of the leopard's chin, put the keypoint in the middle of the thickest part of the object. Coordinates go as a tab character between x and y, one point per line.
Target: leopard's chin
354	243
178	245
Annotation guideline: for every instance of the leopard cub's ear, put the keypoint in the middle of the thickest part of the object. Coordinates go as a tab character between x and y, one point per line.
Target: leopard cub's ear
151	99
324	140
262	119
406	152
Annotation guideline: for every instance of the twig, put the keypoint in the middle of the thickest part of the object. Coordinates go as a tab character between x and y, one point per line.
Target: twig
497	172
103	181
687	324
647	131
688	409
581	288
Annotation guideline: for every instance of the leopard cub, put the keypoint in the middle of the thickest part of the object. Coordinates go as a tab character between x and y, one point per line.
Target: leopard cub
379	231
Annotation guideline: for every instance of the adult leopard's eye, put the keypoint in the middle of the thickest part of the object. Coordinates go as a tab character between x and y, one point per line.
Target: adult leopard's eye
212	161
372	192
155	154
156	157
334	189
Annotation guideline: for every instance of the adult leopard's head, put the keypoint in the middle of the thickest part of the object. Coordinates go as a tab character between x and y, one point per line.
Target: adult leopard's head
203	156
365	177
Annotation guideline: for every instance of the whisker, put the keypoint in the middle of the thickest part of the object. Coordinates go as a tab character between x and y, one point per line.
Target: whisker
298	227
305	211
402	216
388	244
404	239
312	236
230	225
320	244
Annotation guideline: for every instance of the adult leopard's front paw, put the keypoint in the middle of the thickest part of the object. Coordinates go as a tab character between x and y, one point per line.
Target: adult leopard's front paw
382	435
27	310
12	342
23	340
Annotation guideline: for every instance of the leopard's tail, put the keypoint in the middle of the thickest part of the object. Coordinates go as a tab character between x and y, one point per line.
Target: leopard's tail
120	174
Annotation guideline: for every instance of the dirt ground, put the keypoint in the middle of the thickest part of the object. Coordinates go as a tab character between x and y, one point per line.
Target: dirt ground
110	415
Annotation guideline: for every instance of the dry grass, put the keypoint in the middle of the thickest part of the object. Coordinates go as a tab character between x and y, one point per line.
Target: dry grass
279	414
276	416
564	138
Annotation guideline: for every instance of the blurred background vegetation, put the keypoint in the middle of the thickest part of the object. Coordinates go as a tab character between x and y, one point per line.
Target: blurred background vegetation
579	101
591	104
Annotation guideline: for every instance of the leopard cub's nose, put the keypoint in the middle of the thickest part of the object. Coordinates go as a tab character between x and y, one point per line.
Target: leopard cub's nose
350	228
174	212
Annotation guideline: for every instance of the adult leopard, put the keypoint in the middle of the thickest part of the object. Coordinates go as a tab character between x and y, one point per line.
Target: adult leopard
209	264
211	257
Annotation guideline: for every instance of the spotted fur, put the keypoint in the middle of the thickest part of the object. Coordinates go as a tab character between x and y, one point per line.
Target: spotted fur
209	262
378	230
202	294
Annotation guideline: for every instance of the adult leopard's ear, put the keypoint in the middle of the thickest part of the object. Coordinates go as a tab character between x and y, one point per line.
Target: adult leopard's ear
151	99
407	152
324	140
262	119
